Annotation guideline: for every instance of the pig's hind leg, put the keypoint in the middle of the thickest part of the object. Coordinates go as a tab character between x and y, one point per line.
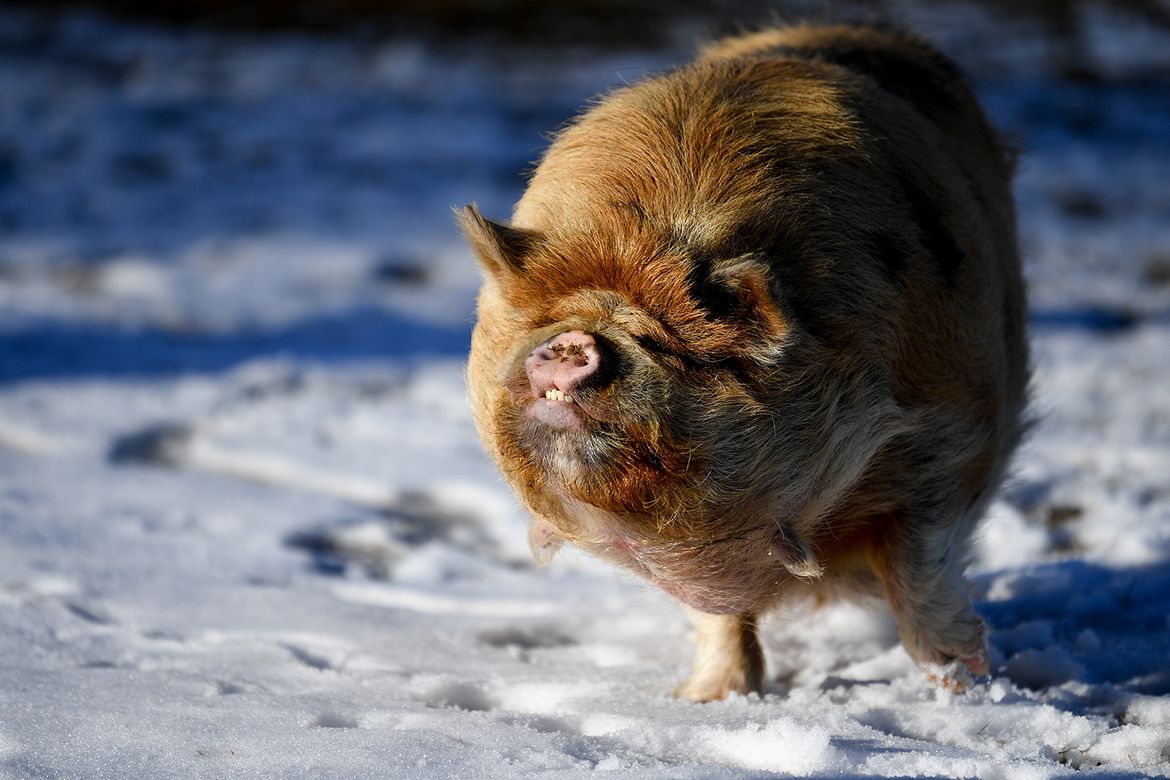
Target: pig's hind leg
728	658
921	571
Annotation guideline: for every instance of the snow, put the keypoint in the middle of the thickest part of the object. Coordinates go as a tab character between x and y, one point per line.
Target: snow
247	528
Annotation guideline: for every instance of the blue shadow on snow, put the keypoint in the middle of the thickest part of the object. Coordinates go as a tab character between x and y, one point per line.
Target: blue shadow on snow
1111	623
55	350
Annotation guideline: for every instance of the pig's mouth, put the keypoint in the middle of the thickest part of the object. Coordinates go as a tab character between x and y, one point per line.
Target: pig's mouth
562	437
593	419
558	410
553	411
550	410
558	395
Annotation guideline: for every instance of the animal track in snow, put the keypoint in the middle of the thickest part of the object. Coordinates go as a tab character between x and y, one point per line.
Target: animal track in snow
165	444
456	694
104	663
90	613
409	521
224	688
182	446
316	659
531	638
335	720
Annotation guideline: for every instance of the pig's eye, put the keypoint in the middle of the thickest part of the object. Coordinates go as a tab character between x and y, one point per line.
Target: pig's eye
711	294
651	344
718	299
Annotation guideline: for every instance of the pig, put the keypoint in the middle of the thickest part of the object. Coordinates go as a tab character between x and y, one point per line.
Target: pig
756	332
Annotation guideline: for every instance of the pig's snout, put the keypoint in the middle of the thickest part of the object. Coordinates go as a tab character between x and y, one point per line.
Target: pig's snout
559	366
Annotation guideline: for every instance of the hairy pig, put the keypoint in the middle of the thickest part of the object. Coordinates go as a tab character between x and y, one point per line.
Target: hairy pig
756	332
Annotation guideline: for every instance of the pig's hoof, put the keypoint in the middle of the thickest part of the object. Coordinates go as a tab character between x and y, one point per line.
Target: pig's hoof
977	663
959	674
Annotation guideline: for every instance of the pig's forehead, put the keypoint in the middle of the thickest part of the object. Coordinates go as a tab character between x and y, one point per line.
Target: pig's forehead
613	274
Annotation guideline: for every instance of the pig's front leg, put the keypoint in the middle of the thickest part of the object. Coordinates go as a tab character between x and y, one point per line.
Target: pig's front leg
727	657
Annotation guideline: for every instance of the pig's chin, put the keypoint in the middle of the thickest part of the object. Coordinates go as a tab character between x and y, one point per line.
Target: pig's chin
557	415
561	440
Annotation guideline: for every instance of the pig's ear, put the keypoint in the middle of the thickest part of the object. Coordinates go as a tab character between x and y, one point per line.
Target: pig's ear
500	249
740	288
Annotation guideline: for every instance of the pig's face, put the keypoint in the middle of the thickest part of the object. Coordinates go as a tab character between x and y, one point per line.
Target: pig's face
625	388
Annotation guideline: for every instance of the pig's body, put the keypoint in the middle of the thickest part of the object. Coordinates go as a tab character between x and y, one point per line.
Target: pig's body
757	329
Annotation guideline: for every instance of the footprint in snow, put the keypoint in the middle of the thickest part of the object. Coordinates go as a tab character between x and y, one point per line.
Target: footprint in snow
165	444
454	694
90	613
315	659
335	720
530	638
374	545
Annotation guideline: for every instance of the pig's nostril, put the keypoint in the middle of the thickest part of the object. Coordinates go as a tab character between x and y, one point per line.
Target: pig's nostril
544	354
563	363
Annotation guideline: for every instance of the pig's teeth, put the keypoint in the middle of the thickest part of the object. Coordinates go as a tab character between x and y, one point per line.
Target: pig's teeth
558	395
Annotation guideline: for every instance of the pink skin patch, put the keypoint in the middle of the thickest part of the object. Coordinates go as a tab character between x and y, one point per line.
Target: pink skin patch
556	414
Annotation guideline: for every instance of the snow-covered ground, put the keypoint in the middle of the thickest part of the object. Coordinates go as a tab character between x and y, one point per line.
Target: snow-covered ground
246	528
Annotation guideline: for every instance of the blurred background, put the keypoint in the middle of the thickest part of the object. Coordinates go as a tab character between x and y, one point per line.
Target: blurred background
241	197
193	183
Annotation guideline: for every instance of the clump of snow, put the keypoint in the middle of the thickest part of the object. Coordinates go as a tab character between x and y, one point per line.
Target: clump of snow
780	745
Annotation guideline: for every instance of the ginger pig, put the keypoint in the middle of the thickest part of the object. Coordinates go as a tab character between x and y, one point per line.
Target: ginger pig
756	332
